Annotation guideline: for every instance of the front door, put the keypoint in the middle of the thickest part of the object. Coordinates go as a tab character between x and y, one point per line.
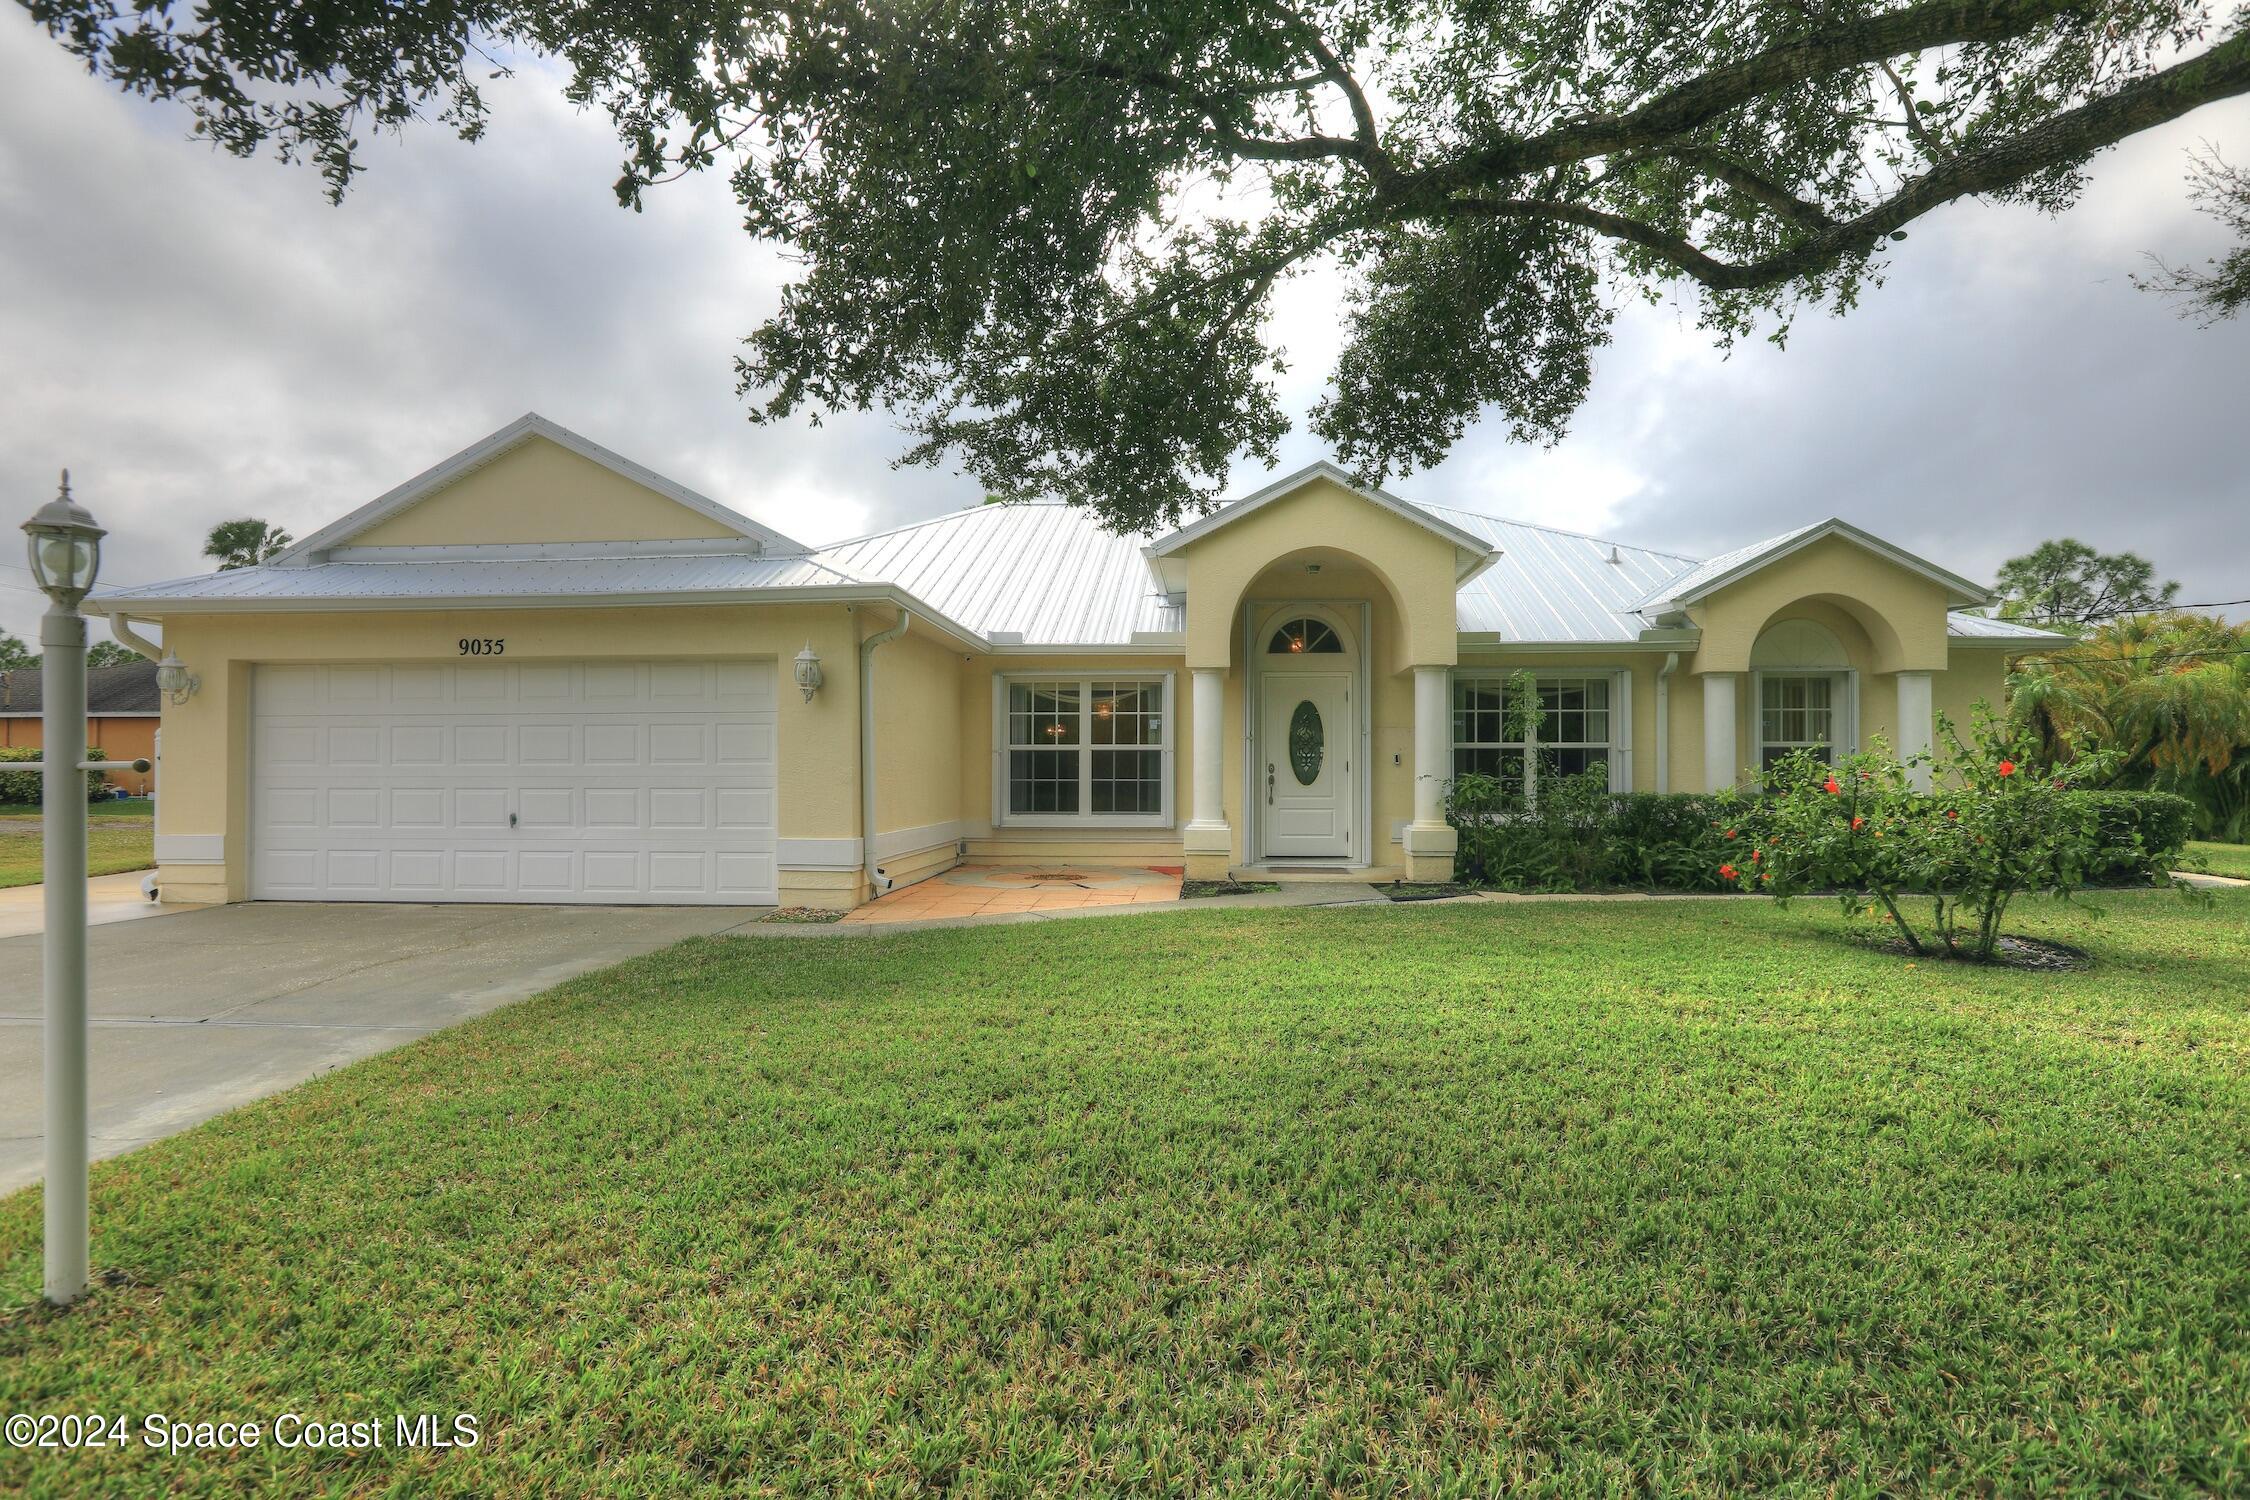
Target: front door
1304	764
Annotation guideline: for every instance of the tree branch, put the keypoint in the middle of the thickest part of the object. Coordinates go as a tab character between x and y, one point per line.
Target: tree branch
1752	185
1696	103
2067	138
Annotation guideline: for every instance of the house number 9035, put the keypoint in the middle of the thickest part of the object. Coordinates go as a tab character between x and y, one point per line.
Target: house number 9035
483	646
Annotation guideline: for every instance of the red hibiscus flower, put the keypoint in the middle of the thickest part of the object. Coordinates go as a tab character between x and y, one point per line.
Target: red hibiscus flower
1858	824
1831	788
1756	855
1730	833
1726	872
2007	768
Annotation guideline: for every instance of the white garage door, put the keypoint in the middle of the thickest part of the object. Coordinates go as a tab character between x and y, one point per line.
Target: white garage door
598	782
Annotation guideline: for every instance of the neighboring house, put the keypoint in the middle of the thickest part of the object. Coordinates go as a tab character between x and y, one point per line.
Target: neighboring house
122	709
540	672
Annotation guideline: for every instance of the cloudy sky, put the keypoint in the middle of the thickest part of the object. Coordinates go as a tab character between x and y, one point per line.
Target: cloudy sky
200	338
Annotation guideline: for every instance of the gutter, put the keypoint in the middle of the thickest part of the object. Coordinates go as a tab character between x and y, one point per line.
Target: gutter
1664	721
877	881
121	627
407	604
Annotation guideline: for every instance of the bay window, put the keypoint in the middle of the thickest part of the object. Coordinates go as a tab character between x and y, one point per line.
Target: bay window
1091	750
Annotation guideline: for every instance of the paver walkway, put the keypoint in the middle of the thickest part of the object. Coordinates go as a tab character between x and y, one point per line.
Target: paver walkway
991	890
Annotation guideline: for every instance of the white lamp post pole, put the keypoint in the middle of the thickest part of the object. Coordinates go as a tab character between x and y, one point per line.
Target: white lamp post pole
65	556
62	678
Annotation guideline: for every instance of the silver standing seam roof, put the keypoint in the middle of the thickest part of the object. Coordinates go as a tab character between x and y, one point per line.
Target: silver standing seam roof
1035	573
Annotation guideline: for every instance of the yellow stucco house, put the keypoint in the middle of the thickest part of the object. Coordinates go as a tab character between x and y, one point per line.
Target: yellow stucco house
540	672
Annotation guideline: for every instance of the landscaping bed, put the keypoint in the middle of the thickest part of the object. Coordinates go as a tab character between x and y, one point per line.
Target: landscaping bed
1196	890
1685	1197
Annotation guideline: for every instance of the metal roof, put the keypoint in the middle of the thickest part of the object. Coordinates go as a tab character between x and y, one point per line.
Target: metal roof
1043	571
484	579
1968	627
1555	586
1036	573
1702	574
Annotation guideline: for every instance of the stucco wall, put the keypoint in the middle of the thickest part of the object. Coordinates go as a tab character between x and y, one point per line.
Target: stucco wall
540	492
1323	518
1900	613
991	841
918	753
206	740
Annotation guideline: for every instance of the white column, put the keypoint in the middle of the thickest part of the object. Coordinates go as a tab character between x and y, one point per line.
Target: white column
1209	811
1915	723
1720	762
1433	744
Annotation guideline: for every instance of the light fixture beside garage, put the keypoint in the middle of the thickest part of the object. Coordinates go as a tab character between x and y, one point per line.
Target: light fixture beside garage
174	680
808	672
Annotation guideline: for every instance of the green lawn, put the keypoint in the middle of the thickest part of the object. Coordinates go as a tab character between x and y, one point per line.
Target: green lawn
120	836
1679	1197
2222	859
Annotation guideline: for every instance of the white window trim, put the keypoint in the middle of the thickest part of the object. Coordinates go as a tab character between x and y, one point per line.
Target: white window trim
1846	702
1617	749
1003	818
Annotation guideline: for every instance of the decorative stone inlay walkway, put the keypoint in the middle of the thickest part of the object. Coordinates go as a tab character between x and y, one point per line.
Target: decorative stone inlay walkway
989	890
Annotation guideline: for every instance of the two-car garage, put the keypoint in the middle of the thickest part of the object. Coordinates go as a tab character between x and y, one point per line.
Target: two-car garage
597	781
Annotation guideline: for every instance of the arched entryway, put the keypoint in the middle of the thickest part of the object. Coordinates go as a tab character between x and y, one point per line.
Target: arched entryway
1307	699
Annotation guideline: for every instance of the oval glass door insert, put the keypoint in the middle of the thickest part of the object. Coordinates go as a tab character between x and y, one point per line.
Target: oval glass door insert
1307	745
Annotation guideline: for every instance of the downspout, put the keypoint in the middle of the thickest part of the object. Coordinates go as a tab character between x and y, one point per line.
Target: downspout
1664	721
877	882
119	627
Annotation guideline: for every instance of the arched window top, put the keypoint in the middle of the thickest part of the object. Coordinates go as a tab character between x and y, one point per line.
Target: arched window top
1305	636
1801	645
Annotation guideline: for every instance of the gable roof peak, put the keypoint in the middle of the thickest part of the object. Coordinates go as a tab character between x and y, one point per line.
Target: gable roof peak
1477	548
497	444
1709	577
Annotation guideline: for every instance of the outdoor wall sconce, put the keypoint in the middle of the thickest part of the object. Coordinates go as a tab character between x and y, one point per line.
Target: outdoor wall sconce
174	680
808	672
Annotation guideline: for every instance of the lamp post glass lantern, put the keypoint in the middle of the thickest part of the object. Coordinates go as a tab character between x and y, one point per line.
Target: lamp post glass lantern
66	548
66	555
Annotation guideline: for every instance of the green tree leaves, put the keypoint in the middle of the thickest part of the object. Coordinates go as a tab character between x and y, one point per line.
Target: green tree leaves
1046	238
244	544
2066	585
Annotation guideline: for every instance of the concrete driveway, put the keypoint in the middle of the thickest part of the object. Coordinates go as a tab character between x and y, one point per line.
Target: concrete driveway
201	1010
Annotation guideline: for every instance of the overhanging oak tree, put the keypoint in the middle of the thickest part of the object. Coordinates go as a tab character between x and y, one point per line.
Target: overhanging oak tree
1047	235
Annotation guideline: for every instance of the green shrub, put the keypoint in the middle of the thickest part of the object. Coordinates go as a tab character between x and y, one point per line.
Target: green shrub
2143	835
1583	837
1997	828
22	787
1580	836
